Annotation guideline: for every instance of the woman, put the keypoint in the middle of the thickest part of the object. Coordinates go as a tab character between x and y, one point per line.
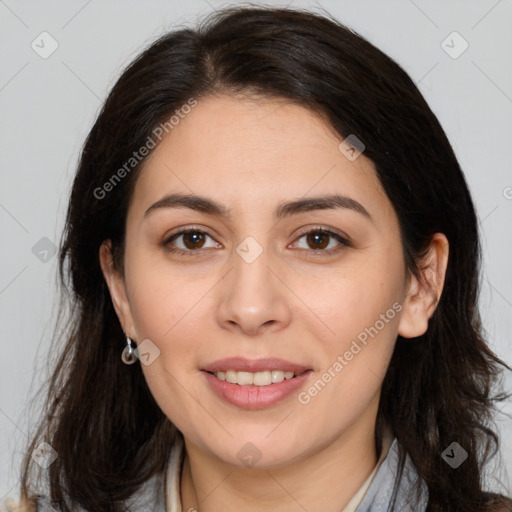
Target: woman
269	221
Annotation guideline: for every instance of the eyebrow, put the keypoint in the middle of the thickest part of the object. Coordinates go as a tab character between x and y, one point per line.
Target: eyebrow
209	206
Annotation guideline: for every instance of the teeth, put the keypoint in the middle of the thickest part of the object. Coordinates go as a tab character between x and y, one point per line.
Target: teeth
257	379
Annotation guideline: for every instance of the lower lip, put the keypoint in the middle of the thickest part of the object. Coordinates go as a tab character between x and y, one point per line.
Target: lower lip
255	397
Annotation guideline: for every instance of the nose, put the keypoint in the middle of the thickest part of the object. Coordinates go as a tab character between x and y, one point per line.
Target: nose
253	296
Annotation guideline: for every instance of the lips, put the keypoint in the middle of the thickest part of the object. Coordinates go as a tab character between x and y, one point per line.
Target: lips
255	396
240	364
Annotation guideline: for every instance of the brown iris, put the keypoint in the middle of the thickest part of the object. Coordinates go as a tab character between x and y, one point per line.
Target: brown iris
318	238
195	238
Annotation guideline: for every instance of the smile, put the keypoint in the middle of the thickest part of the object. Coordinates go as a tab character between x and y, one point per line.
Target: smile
263	378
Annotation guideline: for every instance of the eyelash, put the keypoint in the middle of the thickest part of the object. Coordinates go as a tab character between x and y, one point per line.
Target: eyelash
314	252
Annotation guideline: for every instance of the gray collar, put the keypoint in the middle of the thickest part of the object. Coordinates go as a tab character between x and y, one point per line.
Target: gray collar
393	490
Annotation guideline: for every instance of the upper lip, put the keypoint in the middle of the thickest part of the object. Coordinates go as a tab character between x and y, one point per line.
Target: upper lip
241	364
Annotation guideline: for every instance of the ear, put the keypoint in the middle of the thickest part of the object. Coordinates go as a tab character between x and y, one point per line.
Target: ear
116	285
423	294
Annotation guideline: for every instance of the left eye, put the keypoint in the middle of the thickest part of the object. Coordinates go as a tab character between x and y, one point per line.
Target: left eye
194	240
319	237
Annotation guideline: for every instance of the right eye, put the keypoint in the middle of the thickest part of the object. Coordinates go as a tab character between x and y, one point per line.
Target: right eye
193	240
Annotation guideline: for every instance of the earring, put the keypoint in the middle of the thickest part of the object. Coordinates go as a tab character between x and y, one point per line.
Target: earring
128	355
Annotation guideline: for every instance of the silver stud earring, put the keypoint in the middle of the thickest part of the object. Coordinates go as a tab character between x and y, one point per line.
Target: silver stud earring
128	355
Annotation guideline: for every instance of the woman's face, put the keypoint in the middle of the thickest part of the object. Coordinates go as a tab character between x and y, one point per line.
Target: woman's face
256	286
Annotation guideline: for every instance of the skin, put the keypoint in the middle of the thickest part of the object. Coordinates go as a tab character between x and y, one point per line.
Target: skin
251	155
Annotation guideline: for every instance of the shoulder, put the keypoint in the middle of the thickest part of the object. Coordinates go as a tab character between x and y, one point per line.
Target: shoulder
10	505
498	503
38	503
493	503
149	498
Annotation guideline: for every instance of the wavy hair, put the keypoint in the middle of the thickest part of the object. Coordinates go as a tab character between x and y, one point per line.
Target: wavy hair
99	414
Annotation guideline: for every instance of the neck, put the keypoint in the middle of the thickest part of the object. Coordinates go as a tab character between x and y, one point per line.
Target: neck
325	480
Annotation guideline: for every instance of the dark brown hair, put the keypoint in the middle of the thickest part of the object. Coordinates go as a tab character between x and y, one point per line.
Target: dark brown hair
99	414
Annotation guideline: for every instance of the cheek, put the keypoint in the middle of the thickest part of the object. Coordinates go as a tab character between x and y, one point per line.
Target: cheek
359	297
169	320
355	362
161	296
362	308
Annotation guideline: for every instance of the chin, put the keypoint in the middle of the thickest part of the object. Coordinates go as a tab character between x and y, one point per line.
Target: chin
259	451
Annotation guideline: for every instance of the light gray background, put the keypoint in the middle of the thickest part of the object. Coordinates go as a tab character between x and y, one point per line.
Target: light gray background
48	106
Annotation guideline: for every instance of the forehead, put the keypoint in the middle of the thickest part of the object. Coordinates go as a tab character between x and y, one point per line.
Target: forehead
249	152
